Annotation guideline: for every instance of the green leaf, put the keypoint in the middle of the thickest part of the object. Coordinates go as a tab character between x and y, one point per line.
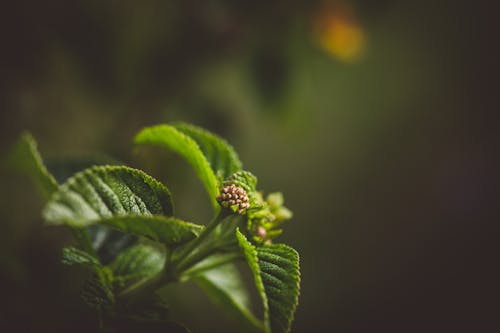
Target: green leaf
167	230
74	256
277	277
105	242
220	154
225	287
141	261
151	309
169	137
26	158
97	292
243	179
108	243
279	269
105	191
250	253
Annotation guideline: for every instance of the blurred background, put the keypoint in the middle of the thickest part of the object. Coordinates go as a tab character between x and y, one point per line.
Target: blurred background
373	118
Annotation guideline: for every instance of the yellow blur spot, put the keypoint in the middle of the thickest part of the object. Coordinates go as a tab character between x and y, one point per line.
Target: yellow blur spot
338	32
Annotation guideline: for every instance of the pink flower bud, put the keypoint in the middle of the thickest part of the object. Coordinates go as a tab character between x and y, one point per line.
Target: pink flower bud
232	195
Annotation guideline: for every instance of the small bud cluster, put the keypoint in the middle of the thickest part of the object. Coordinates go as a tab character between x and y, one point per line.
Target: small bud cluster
234	195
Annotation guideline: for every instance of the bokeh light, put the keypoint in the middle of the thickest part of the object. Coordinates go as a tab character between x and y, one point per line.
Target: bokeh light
339	32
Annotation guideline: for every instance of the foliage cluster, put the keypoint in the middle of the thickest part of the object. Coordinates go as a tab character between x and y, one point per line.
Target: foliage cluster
129	239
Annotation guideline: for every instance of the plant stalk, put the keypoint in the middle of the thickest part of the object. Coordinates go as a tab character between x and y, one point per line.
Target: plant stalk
197	270
179	261
190	255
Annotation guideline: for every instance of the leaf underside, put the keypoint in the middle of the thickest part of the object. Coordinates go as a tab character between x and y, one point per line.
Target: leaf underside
140	261
109	243
167	230
224	285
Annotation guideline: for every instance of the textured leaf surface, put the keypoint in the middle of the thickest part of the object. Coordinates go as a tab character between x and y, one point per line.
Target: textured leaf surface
250	253
279	269
276	275
105	242
243	179
225	287
140	261
152	309
220	154
27	159
74	256
169	137
106	191
97	292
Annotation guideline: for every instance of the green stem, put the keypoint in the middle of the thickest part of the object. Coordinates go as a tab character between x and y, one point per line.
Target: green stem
146	287
190	255
197	270
193	259
195	243
201	254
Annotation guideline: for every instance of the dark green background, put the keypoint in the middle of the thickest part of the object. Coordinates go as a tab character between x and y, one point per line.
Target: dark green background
386	162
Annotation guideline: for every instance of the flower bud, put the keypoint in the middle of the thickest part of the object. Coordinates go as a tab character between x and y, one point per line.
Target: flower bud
233	195
261	232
